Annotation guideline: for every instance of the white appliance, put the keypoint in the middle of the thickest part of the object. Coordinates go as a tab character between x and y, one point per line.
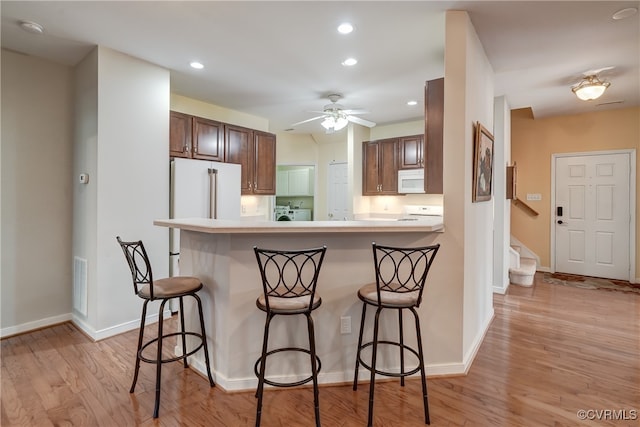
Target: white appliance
422	213
201	189
410	181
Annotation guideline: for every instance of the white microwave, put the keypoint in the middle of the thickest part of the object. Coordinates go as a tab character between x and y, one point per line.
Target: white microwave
411	181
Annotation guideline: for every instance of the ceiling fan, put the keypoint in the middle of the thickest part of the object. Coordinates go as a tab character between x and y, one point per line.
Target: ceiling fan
336	117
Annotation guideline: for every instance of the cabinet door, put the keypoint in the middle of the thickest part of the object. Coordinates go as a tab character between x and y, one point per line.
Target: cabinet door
388	167
208	141
282	183
434	122
179	135
370	167
299	182
264	168
410	152
238	149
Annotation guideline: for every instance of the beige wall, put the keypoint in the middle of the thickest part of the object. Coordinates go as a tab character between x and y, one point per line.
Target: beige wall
37	143
533	141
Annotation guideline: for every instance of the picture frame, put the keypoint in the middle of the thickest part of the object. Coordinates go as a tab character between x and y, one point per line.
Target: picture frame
482	164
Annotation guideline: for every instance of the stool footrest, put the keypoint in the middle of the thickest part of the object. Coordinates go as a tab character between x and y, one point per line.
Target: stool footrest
280	384
171	359
387	373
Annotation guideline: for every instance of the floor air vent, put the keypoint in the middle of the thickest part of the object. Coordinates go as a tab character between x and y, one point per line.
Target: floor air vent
80	285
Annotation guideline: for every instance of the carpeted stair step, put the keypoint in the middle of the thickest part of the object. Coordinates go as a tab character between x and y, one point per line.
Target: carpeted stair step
523	276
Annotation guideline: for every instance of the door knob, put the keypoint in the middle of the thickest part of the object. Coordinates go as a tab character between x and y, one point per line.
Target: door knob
560	221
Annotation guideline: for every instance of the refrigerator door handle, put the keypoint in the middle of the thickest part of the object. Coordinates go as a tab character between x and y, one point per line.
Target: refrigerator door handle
213	180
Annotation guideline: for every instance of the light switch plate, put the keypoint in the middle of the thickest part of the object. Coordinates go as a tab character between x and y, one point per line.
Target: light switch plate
534	196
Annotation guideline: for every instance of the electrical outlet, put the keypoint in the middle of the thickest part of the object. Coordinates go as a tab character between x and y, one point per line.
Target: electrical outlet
345	325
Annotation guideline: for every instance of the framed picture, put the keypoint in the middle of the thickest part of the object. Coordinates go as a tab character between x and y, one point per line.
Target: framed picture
482	164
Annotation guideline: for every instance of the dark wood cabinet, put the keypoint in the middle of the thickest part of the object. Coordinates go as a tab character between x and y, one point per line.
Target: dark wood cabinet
434	131
255	151
410	152
180	134
264	168
380	167
208	140
205	139
195	137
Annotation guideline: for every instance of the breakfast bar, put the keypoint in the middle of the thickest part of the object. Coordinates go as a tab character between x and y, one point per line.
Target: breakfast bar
220	253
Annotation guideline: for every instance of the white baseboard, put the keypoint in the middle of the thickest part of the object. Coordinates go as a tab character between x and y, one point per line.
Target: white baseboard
501	289
96	335
36	324
336	377
101	334
473	350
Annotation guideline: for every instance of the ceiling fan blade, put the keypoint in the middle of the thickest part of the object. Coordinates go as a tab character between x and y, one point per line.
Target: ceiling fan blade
308	120
360	121
597	71
359	111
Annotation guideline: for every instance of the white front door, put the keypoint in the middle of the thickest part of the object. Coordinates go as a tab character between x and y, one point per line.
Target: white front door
337	189
592	221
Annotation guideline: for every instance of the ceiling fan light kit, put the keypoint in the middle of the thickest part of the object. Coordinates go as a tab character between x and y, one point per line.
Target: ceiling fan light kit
591	87
335	117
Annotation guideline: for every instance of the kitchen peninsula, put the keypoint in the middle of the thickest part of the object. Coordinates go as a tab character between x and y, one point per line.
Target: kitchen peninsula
220	253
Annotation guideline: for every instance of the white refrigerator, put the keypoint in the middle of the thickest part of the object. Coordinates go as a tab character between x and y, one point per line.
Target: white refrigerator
201	189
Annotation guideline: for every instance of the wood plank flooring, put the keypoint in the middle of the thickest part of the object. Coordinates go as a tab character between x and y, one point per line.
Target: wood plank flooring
550	351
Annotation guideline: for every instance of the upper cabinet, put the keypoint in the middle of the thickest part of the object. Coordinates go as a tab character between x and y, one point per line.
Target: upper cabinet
410	152
208	140
195	137
295	182
264	166
180	134
380	167
200	138
434	120
255	151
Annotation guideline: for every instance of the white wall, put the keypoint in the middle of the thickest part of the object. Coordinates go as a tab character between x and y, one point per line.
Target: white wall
468	98
126	155
502	214
37	109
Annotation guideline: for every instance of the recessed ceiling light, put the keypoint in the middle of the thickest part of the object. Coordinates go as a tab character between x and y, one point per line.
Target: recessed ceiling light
197	65
345	28
412	103
31	27
349	62
625	13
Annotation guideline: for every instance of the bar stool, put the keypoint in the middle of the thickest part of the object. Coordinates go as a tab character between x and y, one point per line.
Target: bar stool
289	280
163	290
400	277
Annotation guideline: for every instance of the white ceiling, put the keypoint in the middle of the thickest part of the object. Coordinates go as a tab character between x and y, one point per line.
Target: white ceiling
279	60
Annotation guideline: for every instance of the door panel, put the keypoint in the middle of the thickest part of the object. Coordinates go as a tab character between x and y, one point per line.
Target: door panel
592	238
337	197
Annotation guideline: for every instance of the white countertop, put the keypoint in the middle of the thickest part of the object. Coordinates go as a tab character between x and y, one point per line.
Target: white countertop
432	224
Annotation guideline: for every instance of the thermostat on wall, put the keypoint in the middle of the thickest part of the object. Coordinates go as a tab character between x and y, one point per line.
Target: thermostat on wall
84	178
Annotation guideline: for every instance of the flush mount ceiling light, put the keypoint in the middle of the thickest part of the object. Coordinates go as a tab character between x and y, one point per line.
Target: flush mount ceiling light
591	87
412	103
349	62
197	65
345	28
31	27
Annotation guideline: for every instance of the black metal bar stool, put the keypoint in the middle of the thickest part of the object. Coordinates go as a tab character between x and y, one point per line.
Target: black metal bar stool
289	280
400	277
163	290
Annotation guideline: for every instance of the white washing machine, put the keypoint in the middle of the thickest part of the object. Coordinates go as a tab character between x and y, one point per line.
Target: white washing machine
282	213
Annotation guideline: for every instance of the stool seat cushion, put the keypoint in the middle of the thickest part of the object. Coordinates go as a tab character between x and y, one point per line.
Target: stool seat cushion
369	293
171	287
292	303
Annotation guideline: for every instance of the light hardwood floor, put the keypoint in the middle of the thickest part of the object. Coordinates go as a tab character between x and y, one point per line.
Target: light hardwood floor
550	352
